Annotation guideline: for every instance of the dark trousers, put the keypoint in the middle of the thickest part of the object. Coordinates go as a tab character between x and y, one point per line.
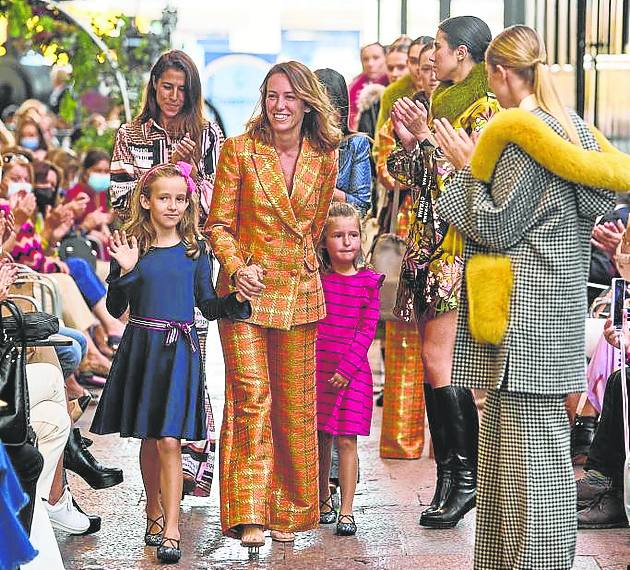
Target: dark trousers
28	464
607	453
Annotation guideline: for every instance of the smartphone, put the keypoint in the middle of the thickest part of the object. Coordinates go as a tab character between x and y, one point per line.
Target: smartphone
618	302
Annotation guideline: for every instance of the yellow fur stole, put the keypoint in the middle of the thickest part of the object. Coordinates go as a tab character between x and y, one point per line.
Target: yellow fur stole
489	283
608	169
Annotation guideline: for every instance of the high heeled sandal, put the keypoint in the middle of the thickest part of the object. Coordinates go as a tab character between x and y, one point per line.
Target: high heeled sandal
346	526
327	517
154	538
253	546
169	554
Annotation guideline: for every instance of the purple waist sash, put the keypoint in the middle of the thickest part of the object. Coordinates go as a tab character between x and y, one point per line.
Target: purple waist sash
172	328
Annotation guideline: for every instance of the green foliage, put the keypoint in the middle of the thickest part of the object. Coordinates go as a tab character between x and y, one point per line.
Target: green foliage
91	139
32	25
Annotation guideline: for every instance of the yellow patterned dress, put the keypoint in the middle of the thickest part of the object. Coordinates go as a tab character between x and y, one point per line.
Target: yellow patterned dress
432	267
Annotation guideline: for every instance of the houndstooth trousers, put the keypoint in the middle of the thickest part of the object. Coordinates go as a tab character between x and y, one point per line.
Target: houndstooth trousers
526	516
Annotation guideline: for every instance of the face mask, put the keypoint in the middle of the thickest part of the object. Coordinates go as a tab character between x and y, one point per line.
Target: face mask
31	143
44	196
98	181
15	187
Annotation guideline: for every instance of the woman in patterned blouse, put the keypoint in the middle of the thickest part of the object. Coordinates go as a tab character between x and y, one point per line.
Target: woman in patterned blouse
171	127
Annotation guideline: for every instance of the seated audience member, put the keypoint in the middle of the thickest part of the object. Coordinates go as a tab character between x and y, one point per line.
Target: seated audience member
600	491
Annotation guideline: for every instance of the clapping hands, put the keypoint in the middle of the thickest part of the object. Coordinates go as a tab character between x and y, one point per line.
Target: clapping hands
456	144
124	251
7	225
8	275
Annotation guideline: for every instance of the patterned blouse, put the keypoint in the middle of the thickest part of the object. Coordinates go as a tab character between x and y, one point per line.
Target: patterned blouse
432	268
140	146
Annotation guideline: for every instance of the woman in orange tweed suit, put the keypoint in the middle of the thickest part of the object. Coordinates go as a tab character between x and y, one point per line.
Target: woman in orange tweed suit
272	192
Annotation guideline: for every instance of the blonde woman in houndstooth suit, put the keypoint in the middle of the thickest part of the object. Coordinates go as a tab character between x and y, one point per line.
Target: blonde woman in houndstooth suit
525	198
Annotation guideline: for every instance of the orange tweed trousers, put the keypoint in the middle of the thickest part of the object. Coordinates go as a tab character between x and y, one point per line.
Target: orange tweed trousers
402	430
268	445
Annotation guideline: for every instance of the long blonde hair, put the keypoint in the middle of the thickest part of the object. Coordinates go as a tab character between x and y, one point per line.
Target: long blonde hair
139	222
320	126
521	49
338	210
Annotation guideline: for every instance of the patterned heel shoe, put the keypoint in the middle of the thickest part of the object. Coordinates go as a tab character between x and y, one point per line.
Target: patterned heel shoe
327	517
253	544
169	551
154	538
346	526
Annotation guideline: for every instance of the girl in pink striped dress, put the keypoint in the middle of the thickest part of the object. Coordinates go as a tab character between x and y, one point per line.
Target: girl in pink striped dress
344	378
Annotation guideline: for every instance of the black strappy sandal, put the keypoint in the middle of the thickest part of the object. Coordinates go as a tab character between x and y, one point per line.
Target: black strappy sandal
154	538
346	526
327	517
169	553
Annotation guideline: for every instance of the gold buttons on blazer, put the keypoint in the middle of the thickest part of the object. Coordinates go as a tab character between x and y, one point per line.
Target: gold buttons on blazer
294	272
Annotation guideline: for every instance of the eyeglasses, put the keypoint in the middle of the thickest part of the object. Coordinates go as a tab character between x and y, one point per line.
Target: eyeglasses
11	158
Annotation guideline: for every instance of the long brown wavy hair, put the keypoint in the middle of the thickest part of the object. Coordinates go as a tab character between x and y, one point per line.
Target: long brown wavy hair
320	126
139	222
191	118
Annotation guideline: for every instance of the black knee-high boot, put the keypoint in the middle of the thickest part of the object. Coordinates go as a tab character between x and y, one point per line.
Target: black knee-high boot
440	451
459	414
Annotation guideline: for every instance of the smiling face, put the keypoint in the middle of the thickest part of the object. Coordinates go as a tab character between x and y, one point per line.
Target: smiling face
373	61
167	202
284	109
170	92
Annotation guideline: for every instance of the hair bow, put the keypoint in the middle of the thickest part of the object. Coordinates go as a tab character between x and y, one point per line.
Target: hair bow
185	169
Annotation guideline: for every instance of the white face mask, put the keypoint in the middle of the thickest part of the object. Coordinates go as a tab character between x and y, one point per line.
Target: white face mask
15	187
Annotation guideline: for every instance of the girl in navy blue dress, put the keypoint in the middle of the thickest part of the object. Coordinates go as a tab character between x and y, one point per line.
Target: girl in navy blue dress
155	390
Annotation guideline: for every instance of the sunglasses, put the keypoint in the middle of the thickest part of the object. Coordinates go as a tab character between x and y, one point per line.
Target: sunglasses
11	158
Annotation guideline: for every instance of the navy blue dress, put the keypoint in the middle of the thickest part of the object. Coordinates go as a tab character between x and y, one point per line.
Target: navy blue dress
155	390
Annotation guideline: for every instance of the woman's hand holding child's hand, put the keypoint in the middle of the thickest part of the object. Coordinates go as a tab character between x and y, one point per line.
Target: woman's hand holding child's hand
338	381
124	251
249	281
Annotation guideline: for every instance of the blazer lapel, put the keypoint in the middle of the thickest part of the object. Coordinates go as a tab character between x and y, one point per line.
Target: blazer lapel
305	177
271	179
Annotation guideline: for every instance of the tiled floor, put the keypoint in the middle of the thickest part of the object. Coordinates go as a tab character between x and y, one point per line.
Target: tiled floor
389	500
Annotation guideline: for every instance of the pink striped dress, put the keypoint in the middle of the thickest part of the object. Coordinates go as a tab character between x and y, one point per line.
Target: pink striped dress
343	340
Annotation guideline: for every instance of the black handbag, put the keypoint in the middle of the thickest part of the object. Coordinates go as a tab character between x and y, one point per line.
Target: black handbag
35	325
14	406
77	245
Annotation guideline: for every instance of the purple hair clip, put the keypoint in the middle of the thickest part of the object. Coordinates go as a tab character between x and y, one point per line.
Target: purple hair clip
185	169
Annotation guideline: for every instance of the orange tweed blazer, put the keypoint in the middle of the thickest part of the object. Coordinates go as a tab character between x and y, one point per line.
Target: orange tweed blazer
253	220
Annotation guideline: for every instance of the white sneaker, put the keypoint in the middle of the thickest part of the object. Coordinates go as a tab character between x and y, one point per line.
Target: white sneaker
64	516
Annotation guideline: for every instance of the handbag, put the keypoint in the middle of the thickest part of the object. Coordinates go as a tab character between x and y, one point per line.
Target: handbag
35	325
14	413
77	245
386	257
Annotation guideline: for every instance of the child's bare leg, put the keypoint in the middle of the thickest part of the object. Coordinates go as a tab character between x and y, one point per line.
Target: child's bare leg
150	469
171	482
348	471
324	440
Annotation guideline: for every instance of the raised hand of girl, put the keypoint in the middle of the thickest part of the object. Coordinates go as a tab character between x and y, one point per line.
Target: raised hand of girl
456	145
124	251
8	275
7	225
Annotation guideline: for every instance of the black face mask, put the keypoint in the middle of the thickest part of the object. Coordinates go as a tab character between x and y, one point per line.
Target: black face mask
44	196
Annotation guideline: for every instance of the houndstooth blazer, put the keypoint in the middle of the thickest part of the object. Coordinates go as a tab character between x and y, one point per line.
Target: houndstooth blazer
543	224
